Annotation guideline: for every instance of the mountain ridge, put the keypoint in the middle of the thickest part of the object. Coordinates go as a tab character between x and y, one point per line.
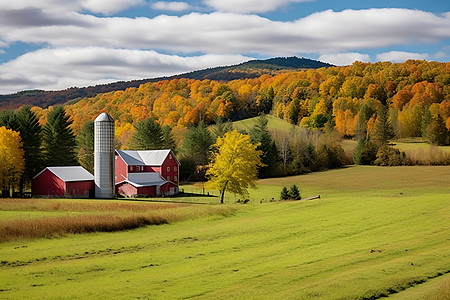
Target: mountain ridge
250	69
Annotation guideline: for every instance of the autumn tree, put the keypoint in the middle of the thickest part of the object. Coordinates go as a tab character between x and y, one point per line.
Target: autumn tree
234	166
31	135
11	160
58	139
85	141
148	135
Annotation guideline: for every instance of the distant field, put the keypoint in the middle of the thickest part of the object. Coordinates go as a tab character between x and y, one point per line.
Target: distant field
273	124
375	231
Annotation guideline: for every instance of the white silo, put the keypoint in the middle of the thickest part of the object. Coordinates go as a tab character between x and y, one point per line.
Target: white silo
104	156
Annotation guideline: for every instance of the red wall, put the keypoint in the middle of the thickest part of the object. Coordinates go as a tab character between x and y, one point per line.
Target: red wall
171	163
120	169
79	188
47	184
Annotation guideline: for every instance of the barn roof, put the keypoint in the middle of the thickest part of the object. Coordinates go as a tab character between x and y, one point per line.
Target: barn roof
145	179
70	173
145	157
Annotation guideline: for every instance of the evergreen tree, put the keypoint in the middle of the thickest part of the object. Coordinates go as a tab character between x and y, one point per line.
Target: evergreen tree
85	141
148	136
426	120
294	193
9	120
168	141
365	152
437	133
383	129
221	128
197	144
31	134
284	193
58	139
259	134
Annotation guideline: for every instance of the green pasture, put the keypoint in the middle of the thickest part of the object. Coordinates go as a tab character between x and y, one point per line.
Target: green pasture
375	232
274	123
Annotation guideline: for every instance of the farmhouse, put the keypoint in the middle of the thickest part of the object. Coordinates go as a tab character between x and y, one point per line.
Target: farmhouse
146	173
70	182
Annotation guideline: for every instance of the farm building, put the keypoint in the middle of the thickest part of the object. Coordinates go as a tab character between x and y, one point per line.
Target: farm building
68	181
146	173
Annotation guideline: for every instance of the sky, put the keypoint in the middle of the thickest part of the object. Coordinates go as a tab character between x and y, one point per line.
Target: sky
57	44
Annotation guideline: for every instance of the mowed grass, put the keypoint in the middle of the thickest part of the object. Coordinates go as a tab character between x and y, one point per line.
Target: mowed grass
374	232
274	123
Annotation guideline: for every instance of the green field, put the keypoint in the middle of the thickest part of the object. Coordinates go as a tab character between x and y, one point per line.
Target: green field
375	232
274	123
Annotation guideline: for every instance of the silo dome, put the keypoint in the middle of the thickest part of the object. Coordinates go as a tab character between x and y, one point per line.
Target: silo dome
104	156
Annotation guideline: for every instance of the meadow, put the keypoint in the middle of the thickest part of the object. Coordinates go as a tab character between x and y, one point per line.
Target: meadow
374	232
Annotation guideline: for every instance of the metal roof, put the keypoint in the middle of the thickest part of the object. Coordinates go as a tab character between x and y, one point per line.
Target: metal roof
145	157
70	173
104	117
145	179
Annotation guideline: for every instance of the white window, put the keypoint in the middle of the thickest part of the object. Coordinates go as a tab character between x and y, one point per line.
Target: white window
175	179
168	178
131	168
175	168
170	156
168	169
116	157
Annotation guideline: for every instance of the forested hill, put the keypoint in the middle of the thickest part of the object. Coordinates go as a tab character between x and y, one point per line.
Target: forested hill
250	69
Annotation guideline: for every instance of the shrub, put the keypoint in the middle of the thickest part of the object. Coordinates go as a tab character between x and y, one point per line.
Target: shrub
294	193
284	194
365	152
388	156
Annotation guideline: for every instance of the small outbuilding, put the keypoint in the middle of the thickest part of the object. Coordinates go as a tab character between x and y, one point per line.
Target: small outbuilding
67	181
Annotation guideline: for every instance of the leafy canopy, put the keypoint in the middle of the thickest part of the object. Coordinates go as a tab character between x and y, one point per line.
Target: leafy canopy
11	158
234	165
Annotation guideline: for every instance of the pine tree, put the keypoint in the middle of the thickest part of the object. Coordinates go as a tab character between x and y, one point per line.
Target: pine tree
197	144
9	120
284	193
85	141
58	139
31	134
148	136
294	193
259	134
168	141
383	129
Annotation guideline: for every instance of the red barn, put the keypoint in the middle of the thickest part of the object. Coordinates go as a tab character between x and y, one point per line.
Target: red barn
146	172
68	181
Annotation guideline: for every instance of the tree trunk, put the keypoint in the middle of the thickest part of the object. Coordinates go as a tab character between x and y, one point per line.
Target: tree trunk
223	192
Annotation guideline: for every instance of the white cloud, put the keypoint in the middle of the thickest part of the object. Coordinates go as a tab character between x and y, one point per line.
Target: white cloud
324	32
249	6
344	59
68	67
109	7
400	56
2	51
170	6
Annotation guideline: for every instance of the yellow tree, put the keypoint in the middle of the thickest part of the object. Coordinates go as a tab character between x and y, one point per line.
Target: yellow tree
11	158
234	165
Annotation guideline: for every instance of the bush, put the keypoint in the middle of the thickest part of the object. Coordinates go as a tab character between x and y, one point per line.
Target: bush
365	152
294	193
284	194
388	156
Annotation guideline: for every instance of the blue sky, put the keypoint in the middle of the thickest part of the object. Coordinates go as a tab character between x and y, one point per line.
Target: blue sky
57	44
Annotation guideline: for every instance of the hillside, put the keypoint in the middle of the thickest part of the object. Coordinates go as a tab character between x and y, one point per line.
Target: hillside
250	69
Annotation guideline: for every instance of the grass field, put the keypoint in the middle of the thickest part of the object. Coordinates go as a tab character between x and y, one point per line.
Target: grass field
375	232
273	124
